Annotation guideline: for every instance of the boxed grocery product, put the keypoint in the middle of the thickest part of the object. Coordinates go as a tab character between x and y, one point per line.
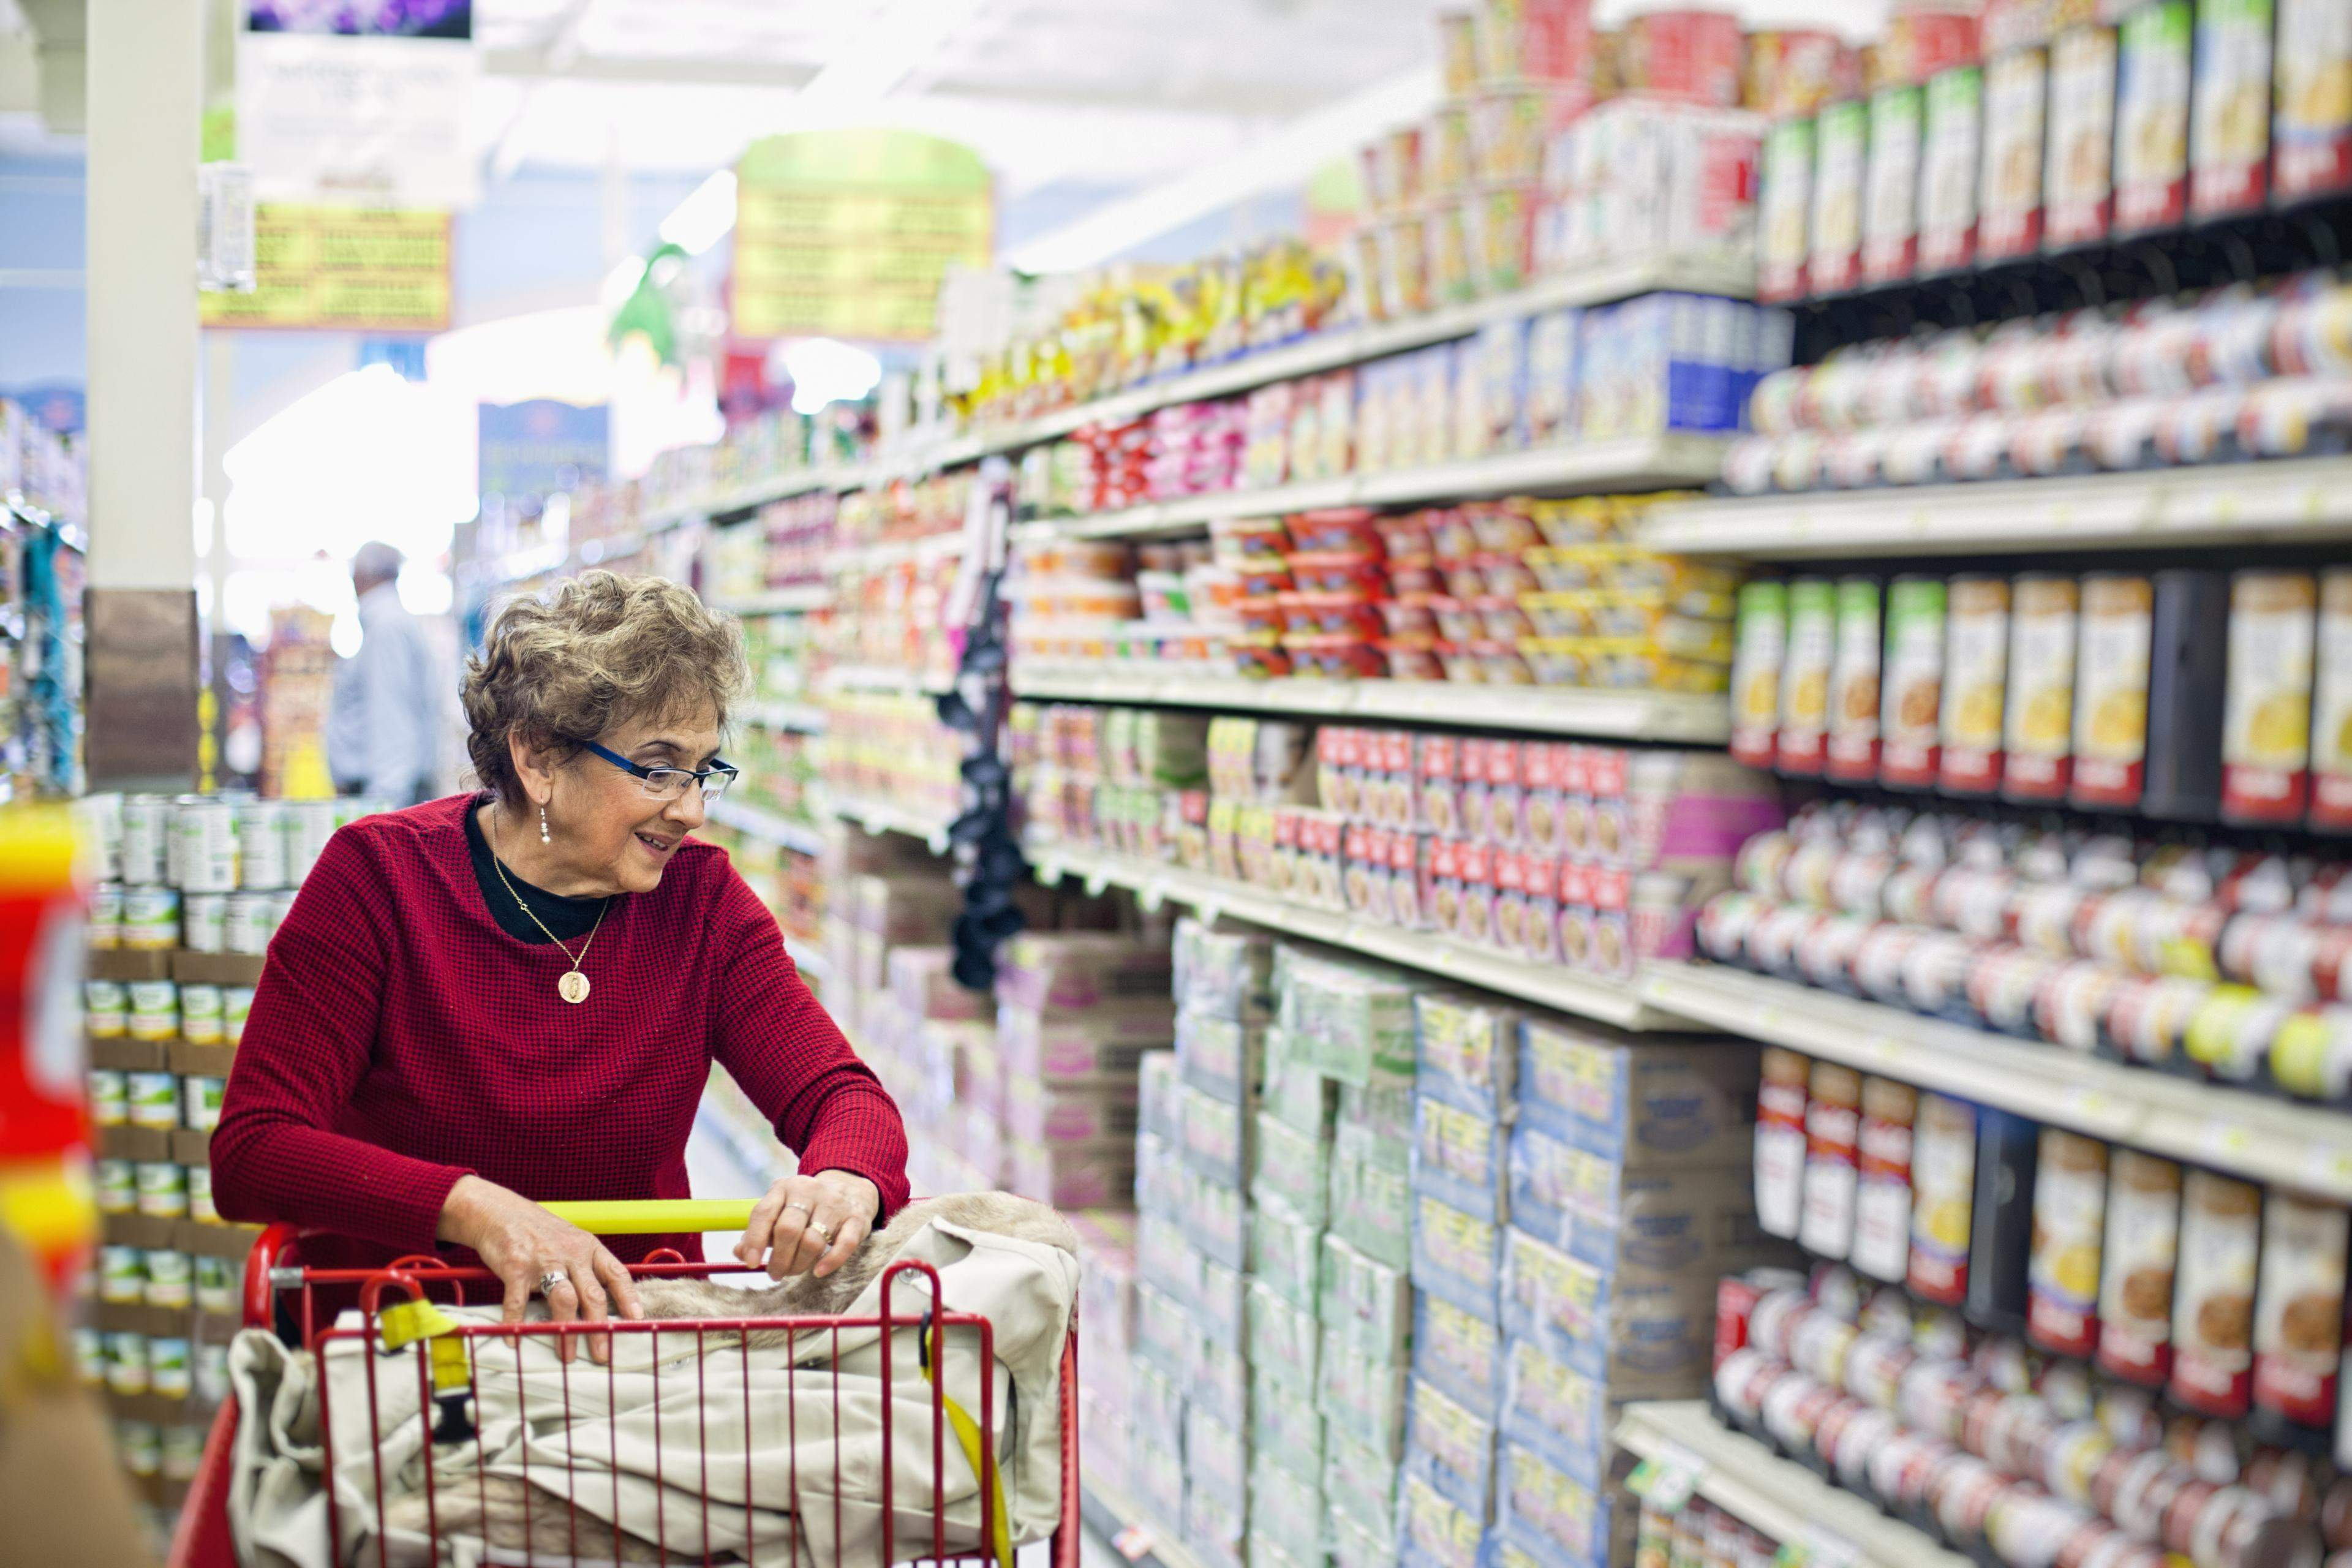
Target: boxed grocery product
1439	1531
1359	1484
1073	1176
1295	1094
1102	1044
2312	127
1560	1413
1361	1396
1458	1352
1647	1102
1221	1056
1890	217
1598	1210
2078	178
1368	1302
1036	1111
1458	1158
1645	1334
2229	123
1293	1167
1370	1193
1216	1457
1286	1508
1081	969
923	987
1348	1022
1457	1257
1556	1519
1164	1259
1287	1253
1219	1137
1213	1525
1216	1218
1158	1106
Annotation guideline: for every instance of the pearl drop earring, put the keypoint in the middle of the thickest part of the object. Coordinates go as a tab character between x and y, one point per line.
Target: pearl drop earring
543	836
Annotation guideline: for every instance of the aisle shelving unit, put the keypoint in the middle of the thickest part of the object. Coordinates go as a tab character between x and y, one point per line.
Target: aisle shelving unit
1549	986
1531	709
1783	1500
2242	1133
799	837
805	717
886	817
2287	502
889	679
778	601
1115	1520
1633	463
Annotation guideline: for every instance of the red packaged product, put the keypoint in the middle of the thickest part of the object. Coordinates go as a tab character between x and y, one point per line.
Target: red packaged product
1505	793
1337	571
1694	56
2214	1300
1437	769
2299	1310
1409	863
2070	1200
1832	1130
1612	937
1475	821
1344	530
1475	867
1539	938
1393	750
1605	770
1576	914
1509	933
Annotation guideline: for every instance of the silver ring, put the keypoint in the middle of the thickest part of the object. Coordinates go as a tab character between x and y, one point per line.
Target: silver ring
551	1279
796	1204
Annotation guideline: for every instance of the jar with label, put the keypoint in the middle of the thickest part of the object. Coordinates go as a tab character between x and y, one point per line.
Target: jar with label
1947	178
204	921
2009	215
2266	719
1783	204
1805	676
115	1189
2078	176
217	1286
168	1371
171	1279
163	1190
1780	1145
200	1195
1832	1129
2151	162
1911	722
1943	1179
2213	1302
109	1098
184	1451
2070	1200
2111	671
142	839
210	1382
246	924
1760	644
2299	1310
200	1014
2142	1234
2038	713
90	1356
152	1099
1882	1206
126	1369
105	916
2230	129
261	844
237	1006
1840	148
1852	753
122	1275
1976	675
150	919
1890	214
204	845
200	1101
155	1010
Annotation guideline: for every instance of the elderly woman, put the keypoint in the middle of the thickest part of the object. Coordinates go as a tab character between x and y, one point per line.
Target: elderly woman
494	1000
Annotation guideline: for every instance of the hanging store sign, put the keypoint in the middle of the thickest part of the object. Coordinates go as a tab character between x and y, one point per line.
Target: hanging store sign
848	234
343	268
537	449
359	100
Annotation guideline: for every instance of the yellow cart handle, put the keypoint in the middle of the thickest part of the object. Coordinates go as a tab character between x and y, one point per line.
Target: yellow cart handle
656	1217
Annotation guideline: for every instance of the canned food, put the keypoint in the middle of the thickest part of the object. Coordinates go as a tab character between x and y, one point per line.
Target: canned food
163	1190
155	1010
200	1015
171	1279
204	921
140	1443
126	1373
237	1003
98	827
248	922
90	1356
106	916
142	841
261	844
167	1367
121	1274
204	845
200	1195
110	1105
184	1452
211	1378
151	918
151	1099
308	825
117	1190
217	1284
200	1102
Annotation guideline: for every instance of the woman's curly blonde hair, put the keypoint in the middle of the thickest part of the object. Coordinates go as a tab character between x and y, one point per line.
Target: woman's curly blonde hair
595	651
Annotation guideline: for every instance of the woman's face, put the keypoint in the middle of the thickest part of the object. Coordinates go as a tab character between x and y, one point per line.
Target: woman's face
608	833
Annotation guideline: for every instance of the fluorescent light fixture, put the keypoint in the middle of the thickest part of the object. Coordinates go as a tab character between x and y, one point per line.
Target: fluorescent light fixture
622	282
703	220
824	371
869	62
1286	158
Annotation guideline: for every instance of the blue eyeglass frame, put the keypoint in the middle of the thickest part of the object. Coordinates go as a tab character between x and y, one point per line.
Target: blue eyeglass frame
641	772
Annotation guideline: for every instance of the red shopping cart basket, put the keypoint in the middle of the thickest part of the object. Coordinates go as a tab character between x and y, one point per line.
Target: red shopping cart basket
415	1355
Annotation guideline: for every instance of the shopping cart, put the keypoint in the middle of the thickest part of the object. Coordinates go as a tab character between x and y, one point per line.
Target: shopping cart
445	1381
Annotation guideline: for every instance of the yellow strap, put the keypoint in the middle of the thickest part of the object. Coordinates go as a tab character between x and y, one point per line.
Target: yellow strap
970	1438
405	1323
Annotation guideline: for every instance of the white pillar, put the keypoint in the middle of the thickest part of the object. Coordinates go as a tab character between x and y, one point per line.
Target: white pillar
146	75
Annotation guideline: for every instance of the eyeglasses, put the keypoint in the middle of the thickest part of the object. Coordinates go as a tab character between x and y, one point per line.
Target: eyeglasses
668	784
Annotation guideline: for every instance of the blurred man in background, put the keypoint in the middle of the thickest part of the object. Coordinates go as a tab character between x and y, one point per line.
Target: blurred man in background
383	737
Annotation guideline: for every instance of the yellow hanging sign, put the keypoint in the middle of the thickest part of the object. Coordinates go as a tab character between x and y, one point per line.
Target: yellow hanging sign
344	269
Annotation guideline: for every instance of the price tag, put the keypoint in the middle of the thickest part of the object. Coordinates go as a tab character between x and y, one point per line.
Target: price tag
1150	896
1047	872
1096	882
2330	1170
1666	1479
1208	910
2226	1140
1134	1543
1817	1548
937	841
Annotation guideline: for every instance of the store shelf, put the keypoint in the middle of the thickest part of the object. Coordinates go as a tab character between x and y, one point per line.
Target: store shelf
2301	500
1535	709
778	601
1547	985
884	816
794	836
892	552
1118	1522
804	717
1634	463
1783	1500
882	677
2228	1129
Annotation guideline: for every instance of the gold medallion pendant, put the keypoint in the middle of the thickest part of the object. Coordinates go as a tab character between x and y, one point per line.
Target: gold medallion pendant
573	987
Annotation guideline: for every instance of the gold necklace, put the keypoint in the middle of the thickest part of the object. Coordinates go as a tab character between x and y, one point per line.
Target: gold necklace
573	986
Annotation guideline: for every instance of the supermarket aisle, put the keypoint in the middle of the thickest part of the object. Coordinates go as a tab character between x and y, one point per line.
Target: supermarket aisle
718	1170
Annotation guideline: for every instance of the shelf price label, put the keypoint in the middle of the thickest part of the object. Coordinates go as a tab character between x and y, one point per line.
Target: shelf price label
1667	1479
1817	1548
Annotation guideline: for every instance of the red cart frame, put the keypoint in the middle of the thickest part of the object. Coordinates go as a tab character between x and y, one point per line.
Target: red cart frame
274	1267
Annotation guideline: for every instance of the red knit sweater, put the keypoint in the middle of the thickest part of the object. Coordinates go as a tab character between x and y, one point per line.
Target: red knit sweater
400	1040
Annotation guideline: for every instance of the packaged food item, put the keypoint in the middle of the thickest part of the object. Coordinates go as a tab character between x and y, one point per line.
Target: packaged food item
1976	678
2009	207
1851	754
1760	644
1780	1115
1832	1130
2070	1200
2230	134
1943	1176
1882	1202
1948	180
2142	1239
1910	728
1890	217
106	1011
1784	206
2266	722
2299	1309
1805	676
2331	711
2077	183
1841	166
2111	675
2213	1297
2312	126
2151	163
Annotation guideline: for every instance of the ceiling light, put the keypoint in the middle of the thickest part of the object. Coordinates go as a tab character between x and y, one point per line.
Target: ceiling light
824	371
702	219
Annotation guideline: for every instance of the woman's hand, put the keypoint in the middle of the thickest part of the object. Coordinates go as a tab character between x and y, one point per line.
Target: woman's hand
809	1223
520	1242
